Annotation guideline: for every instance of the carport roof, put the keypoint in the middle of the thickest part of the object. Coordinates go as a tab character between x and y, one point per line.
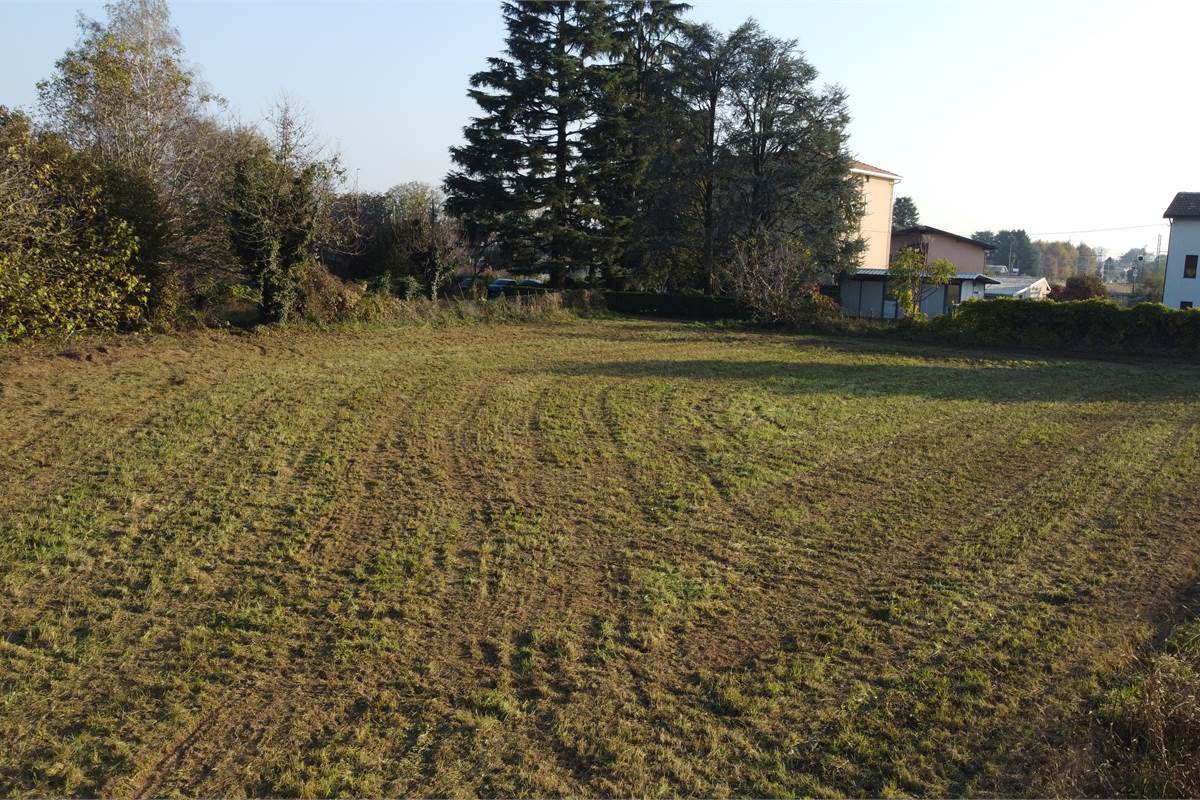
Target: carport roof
875	274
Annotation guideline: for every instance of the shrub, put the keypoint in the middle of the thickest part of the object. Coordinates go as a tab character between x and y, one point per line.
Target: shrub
772	278
1080	324
403	236
1079	287
326	299
66	264
585	300
404	287
910	270
375	306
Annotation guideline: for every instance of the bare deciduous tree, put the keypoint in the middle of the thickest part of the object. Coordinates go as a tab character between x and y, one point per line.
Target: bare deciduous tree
775	278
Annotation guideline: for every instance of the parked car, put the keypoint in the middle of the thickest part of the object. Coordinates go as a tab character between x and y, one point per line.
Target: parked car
530	282
497	287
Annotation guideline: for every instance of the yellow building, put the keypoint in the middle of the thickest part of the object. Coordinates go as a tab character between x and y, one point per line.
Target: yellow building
876	224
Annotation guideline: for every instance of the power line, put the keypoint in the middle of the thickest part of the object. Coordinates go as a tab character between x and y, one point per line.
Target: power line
1096	230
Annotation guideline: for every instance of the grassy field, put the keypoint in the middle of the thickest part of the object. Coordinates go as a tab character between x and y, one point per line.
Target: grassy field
604	557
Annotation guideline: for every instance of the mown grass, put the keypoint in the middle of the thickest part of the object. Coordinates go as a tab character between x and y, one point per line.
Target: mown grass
602	557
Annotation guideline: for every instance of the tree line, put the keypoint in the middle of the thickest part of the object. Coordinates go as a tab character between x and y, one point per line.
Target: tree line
1054	260
1057	261
618	142
130	198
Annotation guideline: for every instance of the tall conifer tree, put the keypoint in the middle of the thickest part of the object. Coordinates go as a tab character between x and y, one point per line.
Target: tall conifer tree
638	133
520	178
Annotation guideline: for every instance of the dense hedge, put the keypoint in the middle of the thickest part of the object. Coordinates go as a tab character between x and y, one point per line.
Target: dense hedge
688	306
1077	325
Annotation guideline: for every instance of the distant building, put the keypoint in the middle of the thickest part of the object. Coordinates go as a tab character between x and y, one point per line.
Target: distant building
963	252
1024	287
1181	287
875	227
865	294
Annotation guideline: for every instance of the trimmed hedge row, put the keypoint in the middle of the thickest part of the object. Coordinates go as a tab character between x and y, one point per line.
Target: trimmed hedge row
1075	325
688	306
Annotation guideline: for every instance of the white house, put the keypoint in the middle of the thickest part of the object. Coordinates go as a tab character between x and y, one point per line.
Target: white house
1024	287
1181	286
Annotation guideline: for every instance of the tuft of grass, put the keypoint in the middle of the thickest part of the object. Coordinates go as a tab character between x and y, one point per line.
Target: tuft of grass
498	703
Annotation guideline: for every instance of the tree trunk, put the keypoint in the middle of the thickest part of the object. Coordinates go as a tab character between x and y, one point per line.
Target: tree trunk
558	210
710	166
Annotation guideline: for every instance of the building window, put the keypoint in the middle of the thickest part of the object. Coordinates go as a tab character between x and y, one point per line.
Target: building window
1184	305
1189	266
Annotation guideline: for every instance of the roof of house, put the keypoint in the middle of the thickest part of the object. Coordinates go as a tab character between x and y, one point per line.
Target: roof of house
927	230
1185	204
1018	280
868	169
875	274
1013	284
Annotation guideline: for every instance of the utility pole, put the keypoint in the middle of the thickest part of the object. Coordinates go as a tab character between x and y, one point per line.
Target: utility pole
1158	267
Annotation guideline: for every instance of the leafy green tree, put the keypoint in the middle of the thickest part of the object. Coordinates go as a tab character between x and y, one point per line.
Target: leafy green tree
125	94
1080	287
66	263
275	210
788	145
521	176
421	240
909	272
1130	256
1013	249
904	213
272	218
1056	260
1085	260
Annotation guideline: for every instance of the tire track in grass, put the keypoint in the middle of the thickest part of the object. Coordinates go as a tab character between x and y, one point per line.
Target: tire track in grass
617	438
238	721
324	703
340	546
67	460
849	570
1068	580
145	635
774	738
977	592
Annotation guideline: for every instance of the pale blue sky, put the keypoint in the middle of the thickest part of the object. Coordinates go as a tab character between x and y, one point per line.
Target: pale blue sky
1052	115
